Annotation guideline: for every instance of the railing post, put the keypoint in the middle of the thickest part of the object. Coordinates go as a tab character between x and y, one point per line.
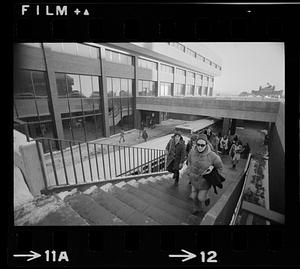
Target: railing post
88	151
96	158
73	162
79	146
64	164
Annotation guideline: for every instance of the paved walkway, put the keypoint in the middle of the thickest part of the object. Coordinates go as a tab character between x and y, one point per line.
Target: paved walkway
114	161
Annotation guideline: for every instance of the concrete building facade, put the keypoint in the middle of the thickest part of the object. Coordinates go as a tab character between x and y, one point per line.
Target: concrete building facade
77	91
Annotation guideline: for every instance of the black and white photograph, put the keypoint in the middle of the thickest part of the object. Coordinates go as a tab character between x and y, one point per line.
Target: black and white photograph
161	133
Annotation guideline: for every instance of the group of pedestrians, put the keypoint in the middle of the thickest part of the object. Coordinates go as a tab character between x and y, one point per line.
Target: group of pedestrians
203	165
226	145
202	158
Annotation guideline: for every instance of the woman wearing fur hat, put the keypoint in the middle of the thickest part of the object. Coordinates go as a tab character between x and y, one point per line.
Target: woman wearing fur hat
175	151
201	160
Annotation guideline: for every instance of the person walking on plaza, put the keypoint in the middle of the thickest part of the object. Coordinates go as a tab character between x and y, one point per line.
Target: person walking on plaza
175	152
246	150
191	144
122	135
215	142
145	135
224	144
201	161
141	130
235	153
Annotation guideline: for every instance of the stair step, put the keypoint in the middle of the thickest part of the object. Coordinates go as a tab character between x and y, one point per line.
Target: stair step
65	215
176	212
181	192
120	209
161	194
160	216
91	211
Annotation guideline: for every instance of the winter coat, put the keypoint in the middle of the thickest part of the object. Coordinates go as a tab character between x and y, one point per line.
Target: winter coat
198	163
224	143
235	152
215	179
175	153
144	135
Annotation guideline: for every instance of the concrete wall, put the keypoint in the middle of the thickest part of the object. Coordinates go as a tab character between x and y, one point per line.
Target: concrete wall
221	212
27	160
276	172
280	124
213	107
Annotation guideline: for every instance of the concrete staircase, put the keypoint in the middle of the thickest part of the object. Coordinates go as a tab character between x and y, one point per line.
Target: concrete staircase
146	201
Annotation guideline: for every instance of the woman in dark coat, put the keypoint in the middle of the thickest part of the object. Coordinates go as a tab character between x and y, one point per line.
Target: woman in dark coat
175	151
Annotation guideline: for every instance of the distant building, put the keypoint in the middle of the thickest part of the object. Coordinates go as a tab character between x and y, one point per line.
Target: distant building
268	91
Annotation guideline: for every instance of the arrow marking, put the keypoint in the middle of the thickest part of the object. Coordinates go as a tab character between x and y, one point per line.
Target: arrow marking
33	255
187	256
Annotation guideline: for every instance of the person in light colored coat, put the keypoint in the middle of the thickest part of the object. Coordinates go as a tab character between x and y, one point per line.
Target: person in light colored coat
201	161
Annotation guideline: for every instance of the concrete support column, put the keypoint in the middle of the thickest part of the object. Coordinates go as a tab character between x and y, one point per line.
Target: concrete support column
225	128
138	118
233	127
53	98
104	98
158	79
136	115
33	167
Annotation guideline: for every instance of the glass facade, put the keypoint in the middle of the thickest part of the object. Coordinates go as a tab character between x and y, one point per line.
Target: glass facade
77	98
80	106
120	104
31	103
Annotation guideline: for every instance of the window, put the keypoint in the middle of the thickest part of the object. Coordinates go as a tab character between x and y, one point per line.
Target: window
166	68
116	86
179	90
191	75
86	86
117	57
165	89
190	90
77	86
146	88
199	90
205	91
30	84
39	84
180	72
147	64
210	91
124	87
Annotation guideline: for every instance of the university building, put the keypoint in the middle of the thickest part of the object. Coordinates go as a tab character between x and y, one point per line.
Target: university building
77	91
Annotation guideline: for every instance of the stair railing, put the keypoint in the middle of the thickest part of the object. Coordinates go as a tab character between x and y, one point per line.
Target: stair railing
69	162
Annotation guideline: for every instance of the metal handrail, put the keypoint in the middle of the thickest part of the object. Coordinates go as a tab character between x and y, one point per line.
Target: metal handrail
88	168
238	206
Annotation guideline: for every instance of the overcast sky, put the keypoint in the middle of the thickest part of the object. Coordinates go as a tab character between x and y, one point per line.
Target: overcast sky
248	65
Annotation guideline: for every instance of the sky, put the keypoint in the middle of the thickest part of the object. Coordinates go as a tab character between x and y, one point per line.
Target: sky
248	65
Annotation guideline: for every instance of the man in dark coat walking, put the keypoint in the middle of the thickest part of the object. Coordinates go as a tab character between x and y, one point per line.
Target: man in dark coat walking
175	151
